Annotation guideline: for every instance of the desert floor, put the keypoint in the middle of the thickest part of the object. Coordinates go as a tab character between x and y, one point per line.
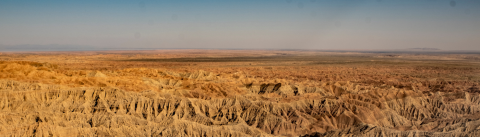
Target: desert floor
239	93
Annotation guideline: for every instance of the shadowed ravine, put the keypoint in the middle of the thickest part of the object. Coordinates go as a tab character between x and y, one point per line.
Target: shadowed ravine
42	99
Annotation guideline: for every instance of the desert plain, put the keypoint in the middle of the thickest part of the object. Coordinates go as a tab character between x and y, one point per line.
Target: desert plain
240	93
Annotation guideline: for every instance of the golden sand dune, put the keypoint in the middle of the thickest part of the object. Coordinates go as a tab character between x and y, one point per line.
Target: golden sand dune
238	93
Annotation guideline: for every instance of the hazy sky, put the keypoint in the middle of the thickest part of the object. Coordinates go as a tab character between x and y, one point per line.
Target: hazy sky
238	24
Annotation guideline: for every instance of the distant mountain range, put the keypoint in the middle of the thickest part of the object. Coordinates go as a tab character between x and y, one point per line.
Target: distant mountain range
55	47
62	48
429	49
45	48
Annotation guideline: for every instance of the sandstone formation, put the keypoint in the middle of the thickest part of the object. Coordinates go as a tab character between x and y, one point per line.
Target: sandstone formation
297	95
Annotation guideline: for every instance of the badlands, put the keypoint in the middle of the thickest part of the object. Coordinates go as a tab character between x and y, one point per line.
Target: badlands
239	93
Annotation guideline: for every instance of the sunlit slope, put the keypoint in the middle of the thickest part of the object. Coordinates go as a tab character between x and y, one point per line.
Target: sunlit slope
41	99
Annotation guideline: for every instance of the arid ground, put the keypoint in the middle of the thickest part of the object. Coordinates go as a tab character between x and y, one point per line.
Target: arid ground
239	93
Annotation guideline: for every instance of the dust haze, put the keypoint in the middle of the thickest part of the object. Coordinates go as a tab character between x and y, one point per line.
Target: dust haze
240	68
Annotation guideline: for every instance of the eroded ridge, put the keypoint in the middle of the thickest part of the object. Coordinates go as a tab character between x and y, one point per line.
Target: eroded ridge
39	99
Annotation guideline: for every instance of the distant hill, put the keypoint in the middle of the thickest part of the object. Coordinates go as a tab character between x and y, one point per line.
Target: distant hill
45	48
429	49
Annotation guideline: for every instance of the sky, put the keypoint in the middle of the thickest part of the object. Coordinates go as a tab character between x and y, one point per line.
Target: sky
240	24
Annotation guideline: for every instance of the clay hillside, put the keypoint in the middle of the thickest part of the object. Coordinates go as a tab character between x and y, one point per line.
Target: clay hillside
239	93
